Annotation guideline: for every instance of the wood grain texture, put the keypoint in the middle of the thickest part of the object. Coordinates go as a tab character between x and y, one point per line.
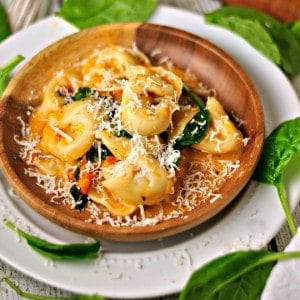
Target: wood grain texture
210	64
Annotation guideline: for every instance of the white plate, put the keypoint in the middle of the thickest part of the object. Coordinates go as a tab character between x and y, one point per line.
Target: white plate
161	267
283	282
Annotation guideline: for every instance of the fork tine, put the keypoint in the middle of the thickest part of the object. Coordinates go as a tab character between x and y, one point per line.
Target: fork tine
32	13
206	6
22	13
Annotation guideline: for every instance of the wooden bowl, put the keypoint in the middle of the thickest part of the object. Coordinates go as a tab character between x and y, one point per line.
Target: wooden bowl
210	64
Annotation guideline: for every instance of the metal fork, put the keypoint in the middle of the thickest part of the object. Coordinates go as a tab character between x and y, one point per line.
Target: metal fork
200	6
22	13
206	6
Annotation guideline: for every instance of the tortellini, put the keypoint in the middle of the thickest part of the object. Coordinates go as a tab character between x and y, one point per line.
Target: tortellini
108	126
149	99
69	133
145	181
105	69
52	100
222	135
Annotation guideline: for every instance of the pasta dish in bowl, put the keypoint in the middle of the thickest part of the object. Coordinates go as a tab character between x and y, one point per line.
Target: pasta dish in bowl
130	132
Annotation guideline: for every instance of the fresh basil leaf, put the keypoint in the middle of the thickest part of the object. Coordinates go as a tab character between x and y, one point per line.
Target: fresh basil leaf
253	32
244	271
285	40
294	27
249	286
4	24
280	147
27	295
196	128
90	13
6	70
57	251
84	297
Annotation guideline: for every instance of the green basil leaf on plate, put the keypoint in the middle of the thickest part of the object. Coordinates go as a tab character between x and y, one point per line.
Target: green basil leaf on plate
74	251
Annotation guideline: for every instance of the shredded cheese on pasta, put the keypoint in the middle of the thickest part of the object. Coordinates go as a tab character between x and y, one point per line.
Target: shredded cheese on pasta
140	180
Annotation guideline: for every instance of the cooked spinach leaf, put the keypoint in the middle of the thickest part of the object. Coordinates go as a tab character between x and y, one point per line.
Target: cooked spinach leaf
82	93
90	13
238	275
79	198
196	128
58	251
93	155
105	152
123	133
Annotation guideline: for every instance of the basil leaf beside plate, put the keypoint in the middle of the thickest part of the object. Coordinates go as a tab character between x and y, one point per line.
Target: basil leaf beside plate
283	38
294	27
84	14
279	149
238	275
4	24
253	32
27	295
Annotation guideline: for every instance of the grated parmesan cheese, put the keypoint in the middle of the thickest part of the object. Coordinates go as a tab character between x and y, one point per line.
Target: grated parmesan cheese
199	185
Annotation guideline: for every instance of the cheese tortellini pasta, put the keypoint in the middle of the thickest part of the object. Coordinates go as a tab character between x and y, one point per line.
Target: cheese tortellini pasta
149	99
222	136
108	129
